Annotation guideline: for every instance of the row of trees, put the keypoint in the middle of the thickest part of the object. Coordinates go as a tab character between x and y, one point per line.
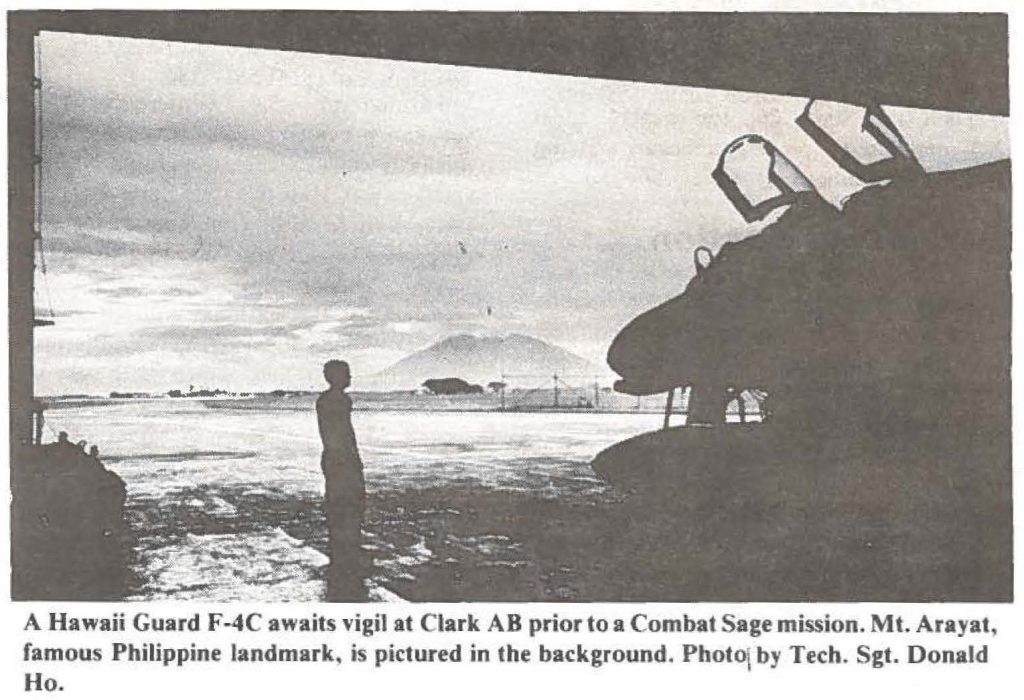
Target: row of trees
454	385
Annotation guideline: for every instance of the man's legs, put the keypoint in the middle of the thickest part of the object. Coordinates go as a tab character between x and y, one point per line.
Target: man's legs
345	502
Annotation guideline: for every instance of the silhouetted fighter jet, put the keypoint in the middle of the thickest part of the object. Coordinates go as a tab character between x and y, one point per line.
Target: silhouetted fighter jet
853	323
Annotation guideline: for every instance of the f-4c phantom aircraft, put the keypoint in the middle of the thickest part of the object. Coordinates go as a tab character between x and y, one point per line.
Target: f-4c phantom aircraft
868	345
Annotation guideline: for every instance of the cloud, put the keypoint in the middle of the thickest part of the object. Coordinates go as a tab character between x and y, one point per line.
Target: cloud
407	327
121	292
216	333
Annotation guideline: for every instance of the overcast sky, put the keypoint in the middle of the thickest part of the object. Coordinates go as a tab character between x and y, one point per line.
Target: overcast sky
231	217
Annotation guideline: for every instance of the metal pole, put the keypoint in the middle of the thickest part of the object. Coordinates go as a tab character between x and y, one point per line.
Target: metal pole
668	406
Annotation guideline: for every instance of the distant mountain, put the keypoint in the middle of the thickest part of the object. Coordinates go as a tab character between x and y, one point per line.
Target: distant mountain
526	361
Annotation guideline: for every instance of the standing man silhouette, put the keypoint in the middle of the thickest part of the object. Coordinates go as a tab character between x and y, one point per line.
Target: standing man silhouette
345	496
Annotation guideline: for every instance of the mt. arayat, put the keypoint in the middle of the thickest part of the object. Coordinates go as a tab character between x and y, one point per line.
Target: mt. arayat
524	360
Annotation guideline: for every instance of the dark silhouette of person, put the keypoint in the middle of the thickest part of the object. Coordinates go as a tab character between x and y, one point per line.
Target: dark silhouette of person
345	493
